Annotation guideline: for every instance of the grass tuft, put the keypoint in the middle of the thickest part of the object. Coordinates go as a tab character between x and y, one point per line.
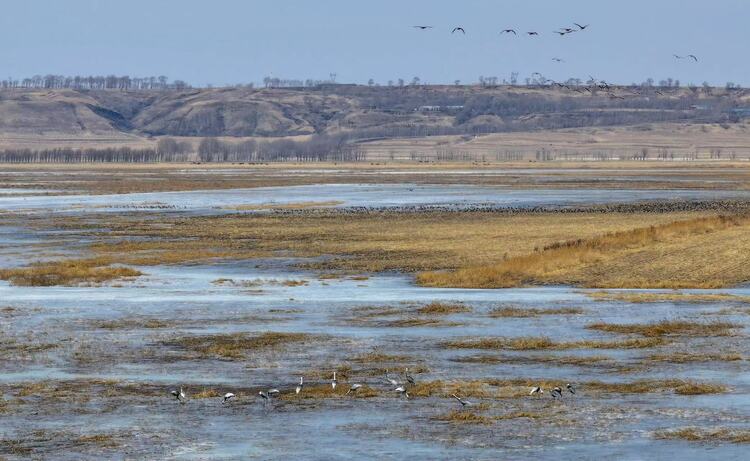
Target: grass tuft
668	328
67	272
235	346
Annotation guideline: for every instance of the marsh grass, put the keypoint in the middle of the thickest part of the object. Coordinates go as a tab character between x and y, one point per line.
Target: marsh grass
67	272
325	391
285	206
130	324
580	261
545	343
237	345
415	322
640	297
584	361
520	312
687	357
706	435
464	417
438	308
668	328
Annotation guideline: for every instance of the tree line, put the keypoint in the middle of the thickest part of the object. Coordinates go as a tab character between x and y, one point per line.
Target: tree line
316	149
95	82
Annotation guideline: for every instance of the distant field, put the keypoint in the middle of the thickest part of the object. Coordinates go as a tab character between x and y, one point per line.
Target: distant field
124	178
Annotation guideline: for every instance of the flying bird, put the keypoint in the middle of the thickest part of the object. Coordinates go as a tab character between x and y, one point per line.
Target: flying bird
567	30
422	27
580	26
557	60
354	388
463	402
536	391
298	389
692	56
532	33
570	388
676	56
458	29
508	31
226	397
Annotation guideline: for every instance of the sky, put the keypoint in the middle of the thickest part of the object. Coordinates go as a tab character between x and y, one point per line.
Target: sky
222	42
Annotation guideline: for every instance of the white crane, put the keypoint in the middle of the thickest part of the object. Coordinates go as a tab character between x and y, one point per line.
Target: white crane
298	389
402	390
464	403
334	381
354	388
390	380
556	393
570	388
226	397
536	391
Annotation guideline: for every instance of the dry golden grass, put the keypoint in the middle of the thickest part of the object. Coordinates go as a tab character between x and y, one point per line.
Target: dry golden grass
687	357
67	272
438	308
129	324
483	250
206	394
668	328
286	206
544	343
365	242
235	346
519	312
325	391
378	357
706	435
631	297
519	387
464	417
704	252
559	360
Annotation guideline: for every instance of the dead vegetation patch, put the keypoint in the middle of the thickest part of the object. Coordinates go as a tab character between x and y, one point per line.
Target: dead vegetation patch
237	345
521	312
609	260
438	308
67	272
641	297
545	343
706	435
668	328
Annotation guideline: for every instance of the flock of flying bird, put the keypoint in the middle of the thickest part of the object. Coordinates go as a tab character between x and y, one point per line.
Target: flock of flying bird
562	32
401	387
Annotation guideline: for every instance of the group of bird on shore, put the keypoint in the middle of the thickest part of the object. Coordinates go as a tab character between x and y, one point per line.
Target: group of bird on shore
400	387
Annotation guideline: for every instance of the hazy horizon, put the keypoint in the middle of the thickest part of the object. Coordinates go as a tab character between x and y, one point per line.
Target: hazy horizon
230	41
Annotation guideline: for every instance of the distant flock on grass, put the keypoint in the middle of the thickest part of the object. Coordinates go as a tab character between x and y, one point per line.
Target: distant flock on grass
400	387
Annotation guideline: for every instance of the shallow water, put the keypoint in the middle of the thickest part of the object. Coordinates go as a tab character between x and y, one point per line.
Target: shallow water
351	195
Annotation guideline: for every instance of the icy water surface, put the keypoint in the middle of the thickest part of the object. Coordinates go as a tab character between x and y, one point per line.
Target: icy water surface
86	371
349	195
100	335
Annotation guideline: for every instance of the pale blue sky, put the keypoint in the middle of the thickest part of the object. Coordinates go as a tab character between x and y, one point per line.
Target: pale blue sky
232	41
